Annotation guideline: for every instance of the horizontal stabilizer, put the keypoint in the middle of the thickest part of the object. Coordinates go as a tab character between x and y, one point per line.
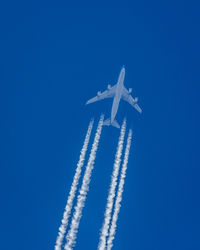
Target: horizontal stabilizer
115	124
108	123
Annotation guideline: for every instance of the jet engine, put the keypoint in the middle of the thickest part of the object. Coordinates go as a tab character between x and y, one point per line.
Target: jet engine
130	90
136	99
109	86
99	93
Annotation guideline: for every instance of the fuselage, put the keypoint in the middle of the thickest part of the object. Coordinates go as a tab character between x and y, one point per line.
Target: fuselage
118	94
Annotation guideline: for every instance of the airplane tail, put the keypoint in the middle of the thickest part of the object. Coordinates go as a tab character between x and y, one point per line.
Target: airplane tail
114	123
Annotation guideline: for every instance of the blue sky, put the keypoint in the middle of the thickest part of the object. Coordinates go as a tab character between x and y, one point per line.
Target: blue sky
54	57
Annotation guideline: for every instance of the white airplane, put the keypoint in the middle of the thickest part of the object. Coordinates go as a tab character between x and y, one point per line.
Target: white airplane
116	92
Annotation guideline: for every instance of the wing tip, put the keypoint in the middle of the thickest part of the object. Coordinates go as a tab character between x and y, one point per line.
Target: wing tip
88	102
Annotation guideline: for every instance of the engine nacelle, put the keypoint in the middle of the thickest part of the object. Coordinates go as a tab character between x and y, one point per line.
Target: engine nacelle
109	86
99	93
136	99
130	90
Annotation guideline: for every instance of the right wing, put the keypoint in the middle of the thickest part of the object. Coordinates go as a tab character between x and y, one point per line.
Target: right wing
109	93
128	98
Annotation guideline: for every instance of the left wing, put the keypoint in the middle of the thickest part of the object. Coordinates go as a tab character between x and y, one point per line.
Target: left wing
109	93
128	98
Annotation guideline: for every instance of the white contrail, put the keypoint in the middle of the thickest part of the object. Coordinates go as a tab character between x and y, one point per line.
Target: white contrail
119	193
68	208
111	195
71	236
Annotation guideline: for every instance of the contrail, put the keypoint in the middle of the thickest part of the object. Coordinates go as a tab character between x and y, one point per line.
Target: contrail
119	193
111	195
71	236
68	208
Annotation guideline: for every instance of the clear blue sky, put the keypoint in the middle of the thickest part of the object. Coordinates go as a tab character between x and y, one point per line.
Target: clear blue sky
54	57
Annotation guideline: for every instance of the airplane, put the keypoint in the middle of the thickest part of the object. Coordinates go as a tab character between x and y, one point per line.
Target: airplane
117	92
